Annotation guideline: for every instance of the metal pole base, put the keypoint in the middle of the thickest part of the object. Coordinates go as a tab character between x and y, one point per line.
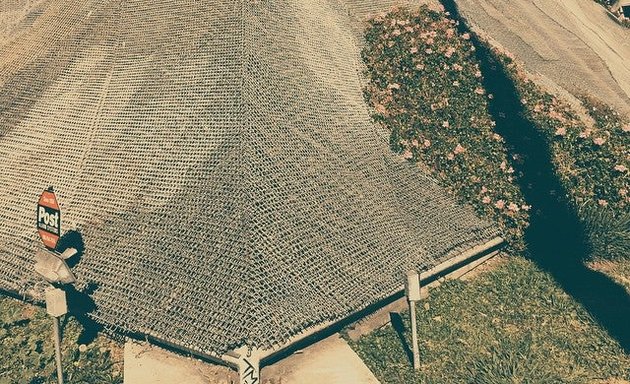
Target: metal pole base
57	337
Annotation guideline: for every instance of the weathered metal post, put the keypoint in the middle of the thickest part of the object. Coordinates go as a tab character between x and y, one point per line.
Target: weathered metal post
56	306
58	350
412	291
249	366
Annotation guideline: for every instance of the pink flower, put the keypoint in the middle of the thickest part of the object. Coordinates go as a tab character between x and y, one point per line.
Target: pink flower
429	51
484	189
599	141
459	149
414	142
409	29
623	192
457	67
602	202
513	207
394	86
486	200
413	50
500	204
450	156
626	127
426	143
523	101
449	52
497	137
503	166
396	32
445	124
420	67
620	168
526	207
466	36
430	41
407	154
561	131
478	74
479	91
586	133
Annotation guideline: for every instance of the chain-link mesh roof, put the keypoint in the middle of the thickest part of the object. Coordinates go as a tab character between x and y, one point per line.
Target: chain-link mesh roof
220	163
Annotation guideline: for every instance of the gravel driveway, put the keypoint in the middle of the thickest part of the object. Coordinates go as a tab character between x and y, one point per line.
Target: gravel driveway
574	43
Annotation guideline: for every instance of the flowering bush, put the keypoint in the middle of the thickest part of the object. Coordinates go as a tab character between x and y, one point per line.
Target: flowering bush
425	87
592	162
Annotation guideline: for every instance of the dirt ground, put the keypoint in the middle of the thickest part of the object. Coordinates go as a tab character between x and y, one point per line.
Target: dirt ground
574	43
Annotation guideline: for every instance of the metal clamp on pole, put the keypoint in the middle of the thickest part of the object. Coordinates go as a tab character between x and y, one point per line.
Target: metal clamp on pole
412	291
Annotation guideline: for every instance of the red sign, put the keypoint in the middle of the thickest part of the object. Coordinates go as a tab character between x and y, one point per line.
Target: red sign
48	218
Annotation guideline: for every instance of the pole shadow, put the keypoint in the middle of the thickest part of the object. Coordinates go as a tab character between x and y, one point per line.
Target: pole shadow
399	326
80	302
556	238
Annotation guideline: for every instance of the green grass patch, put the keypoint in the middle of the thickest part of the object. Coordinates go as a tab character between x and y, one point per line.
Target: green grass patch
27	349
510	325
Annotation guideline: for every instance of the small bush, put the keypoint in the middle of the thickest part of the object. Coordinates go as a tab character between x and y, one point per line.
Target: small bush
592	163
426	89
608	232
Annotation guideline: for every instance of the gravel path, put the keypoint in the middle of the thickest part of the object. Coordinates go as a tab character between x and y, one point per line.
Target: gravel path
572	42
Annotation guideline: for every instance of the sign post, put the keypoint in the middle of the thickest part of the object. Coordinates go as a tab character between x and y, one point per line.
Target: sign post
56	306
412	291
52	267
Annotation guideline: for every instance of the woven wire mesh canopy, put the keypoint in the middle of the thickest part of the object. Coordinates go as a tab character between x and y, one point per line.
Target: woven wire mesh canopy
220	163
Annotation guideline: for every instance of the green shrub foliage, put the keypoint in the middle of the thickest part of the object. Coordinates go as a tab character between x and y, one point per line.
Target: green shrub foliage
425	87
591	160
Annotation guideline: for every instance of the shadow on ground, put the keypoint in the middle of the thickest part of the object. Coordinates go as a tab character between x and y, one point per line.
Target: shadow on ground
555	237
399	326
80	302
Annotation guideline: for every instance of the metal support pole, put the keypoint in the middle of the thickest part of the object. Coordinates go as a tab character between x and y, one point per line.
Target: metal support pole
57	337
412	291
414	335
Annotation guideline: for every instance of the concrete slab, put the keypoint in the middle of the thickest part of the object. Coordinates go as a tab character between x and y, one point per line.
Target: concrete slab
148	364
330	361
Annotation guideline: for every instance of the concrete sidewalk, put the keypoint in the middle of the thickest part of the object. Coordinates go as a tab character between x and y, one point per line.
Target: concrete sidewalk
329	361
148	364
